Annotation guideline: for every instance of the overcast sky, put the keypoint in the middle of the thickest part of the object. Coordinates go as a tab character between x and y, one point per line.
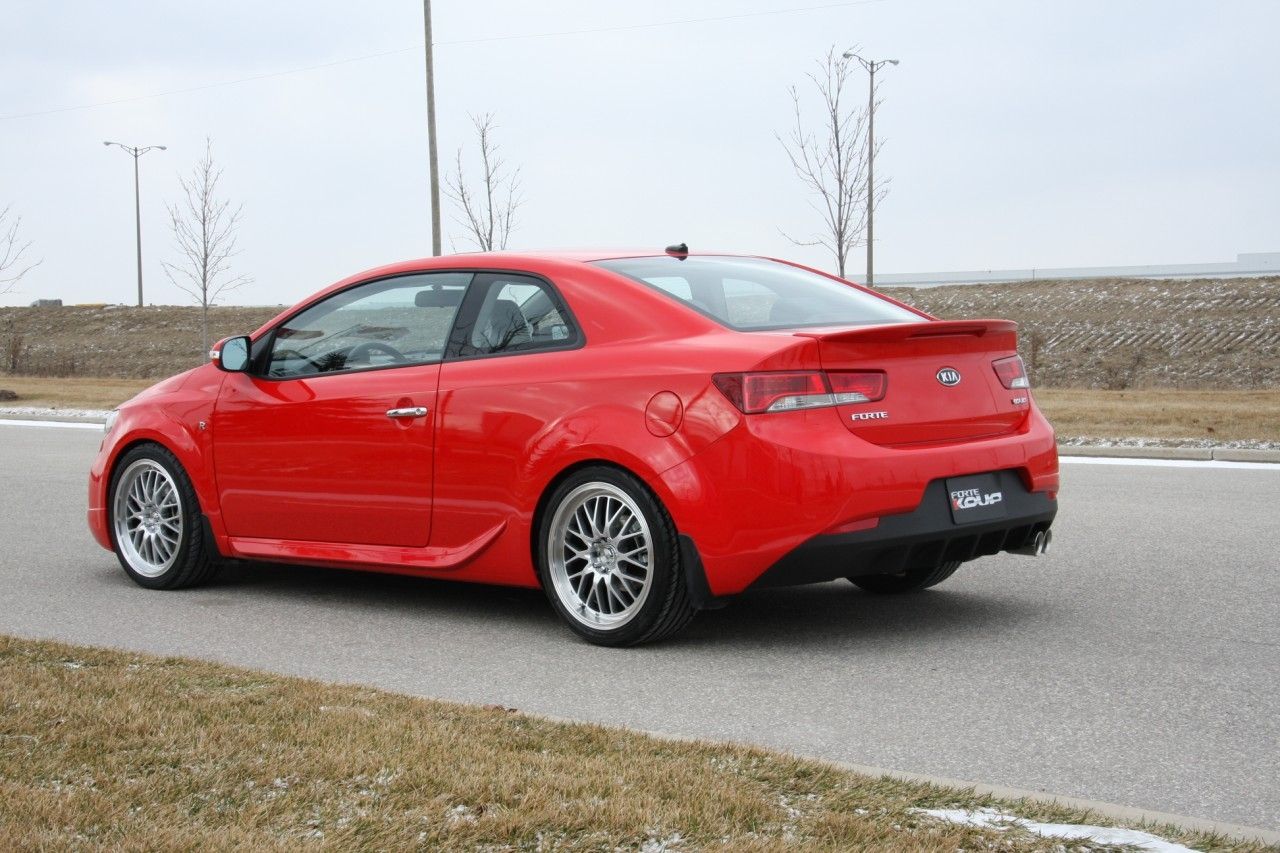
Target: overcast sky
1016	133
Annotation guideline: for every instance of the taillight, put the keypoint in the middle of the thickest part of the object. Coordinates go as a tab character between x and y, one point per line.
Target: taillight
864	386
1012	372
786	392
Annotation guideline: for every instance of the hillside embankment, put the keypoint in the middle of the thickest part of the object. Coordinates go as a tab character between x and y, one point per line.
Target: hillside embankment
1111	334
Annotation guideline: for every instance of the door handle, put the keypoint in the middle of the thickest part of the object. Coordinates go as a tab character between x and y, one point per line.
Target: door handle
411	412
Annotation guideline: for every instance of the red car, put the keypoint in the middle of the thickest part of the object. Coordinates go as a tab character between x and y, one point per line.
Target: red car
640	435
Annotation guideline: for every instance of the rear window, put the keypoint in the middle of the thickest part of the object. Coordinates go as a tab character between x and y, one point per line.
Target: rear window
752	294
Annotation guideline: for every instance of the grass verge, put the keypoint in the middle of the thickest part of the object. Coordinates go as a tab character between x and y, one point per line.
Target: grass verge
74	392
105	749
1163	413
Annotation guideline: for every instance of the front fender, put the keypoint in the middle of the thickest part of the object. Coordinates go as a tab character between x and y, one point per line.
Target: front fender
172	417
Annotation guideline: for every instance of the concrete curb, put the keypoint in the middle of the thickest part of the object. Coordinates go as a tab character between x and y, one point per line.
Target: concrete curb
1204	454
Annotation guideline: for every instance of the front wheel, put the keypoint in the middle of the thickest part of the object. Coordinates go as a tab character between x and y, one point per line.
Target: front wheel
156	526
609	560
913	580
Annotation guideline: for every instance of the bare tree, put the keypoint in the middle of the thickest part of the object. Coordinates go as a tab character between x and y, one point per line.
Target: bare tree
487	213
204	231
832	162
12	249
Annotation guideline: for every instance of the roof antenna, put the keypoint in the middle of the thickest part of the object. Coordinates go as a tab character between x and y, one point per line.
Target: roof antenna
679	250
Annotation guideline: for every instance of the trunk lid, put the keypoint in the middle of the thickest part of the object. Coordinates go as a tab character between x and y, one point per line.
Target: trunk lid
924	402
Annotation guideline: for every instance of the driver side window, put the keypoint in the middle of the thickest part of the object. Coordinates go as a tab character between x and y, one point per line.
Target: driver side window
386	323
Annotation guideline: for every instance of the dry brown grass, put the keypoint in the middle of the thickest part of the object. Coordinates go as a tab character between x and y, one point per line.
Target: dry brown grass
104	749
1163	413
72	392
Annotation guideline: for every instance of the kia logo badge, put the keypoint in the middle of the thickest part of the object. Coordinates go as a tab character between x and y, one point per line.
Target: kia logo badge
949	376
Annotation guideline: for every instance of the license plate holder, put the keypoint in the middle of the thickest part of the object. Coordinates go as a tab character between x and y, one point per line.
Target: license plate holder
977	497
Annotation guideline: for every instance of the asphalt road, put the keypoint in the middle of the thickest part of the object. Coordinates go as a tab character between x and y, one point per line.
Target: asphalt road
1138	664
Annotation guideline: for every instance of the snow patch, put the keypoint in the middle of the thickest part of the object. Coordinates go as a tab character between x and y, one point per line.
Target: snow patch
1139	441
992	819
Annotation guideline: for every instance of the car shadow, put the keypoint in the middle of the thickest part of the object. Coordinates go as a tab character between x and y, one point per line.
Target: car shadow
837	614
821	615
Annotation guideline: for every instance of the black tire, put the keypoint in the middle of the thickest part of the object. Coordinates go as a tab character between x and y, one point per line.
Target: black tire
663	606
190	558
913	580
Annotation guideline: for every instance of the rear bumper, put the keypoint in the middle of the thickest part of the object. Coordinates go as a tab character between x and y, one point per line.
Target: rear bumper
775	484
923	538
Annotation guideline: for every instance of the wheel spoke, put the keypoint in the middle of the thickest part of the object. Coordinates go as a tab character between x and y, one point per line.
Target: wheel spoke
623	535
614	517
617	592
632	574
597	515
627	583
582	523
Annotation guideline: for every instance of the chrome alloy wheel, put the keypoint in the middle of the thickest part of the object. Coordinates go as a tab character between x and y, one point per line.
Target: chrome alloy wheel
600	555
147	517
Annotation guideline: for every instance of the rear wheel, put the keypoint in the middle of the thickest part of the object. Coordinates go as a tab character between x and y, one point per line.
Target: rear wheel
155	521
913	580
610	561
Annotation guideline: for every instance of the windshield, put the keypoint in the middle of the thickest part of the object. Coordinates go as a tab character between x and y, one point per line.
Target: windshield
752	294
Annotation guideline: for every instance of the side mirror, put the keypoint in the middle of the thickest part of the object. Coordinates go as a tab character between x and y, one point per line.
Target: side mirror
231	354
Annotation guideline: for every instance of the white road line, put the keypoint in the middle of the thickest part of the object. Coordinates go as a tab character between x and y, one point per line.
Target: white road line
56	424
1169	463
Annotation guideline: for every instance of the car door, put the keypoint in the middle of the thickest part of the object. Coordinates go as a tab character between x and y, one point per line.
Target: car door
510	367
329	437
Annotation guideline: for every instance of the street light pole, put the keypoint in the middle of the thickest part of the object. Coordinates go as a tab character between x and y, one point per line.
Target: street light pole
431	134
871	65
137	152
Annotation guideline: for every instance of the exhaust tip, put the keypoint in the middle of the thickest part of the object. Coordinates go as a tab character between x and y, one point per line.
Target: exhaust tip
1037	546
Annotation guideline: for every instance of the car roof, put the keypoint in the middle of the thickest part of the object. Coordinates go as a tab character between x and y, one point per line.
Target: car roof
535	261
540	260
504	258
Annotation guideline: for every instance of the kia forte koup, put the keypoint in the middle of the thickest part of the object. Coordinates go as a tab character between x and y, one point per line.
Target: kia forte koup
640	435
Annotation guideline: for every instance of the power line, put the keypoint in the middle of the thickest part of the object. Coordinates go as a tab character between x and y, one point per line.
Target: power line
385	53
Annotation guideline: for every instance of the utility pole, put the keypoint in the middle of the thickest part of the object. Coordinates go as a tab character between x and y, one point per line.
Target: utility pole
137	152
871	65
431	134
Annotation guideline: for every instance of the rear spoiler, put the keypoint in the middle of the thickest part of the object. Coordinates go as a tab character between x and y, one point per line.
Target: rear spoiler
930	335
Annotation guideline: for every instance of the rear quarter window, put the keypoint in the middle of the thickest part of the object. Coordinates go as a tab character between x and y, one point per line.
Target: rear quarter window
755	294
